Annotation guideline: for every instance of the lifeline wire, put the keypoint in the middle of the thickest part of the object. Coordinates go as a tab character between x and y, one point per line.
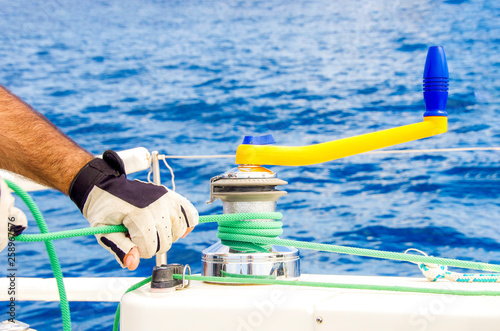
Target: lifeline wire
402	151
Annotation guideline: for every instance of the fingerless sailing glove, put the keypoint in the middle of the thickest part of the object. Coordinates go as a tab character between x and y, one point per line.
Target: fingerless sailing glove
154	216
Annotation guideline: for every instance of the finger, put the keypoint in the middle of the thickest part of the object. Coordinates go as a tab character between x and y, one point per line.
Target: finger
184	206
188	231
190	213
142	230
179	225
132	259
160	213
117	244
182	214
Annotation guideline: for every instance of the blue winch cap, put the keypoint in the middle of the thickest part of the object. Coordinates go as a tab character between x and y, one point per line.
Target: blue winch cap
259	140
436	79
435	64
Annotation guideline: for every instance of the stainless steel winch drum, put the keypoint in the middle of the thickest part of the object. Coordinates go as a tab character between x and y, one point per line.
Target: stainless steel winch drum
248	189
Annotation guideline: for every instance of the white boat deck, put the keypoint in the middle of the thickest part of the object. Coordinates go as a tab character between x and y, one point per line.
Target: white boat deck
274	307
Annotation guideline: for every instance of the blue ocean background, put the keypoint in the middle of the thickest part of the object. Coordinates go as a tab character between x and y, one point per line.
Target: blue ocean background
193	77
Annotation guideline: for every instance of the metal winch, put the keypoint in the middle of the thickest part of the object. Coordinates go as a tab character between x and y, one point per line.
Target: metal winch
249	189
252	188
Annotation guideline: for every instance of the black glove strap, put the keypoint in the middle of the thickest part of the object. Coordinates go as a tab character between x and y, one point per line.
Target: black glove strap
92	173
109	175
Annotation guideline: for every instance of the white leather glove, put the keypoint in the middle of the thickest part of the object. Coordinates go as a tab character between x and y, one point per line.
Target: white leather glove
12	220
154	216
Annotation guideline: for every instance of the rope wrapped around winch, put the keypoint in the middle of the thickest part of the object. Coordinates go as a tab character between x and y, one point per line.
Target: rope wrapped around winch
227	230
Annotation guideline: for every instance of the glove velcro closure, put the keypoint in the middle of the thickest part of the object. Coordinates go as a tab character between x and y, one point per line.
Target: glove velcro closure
108	174
91	174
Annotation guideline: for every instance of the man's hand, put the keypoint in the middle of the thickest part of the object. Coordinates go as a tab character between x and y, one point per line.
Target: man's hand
36	149
154	216
12	220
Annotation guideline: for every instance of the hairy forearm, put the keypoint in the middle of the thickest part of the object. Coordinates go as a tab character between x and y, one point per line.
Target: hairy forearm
33	147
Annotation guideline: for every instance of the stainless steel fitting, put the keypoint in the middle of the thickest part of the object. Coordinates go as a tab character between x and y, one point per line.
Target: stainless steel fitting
248	189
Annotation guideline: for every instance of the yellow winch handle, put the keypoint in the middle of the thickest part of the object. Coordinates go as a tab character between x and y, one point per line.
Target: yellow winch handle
332	150
435	84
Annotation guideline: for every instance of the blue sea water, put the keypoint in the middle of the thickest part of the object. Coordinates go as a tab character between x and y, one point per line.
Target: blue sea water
194	77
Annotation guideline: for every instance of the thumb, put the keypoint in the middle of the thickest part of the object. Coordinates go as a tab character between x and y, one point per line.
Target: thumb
132	259
119	245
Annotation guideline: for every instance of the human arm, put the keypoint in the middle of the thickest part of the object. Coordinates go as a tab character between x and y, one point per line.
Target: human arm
32	146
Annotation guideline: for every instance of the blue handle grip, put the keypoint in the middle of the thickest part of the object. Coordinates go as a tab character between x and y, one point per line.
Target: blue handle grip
436	79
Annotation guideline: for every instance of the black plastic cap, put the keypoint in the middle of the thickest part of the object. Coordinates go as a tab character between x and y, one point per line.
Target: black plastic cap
163	276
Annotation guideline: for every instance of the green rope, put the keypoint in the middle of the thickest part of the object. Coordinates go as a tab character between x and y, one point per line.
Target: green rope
263	281
243	236
228	274
71	233
370	253
116	323
54	261
122	228
264	233
259	229
250	237
230	233
240	217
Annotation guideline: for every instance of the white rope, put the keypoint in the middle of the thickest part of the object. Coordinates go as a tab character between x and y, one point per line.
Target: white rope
198	156
403	151
149	173
163	158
